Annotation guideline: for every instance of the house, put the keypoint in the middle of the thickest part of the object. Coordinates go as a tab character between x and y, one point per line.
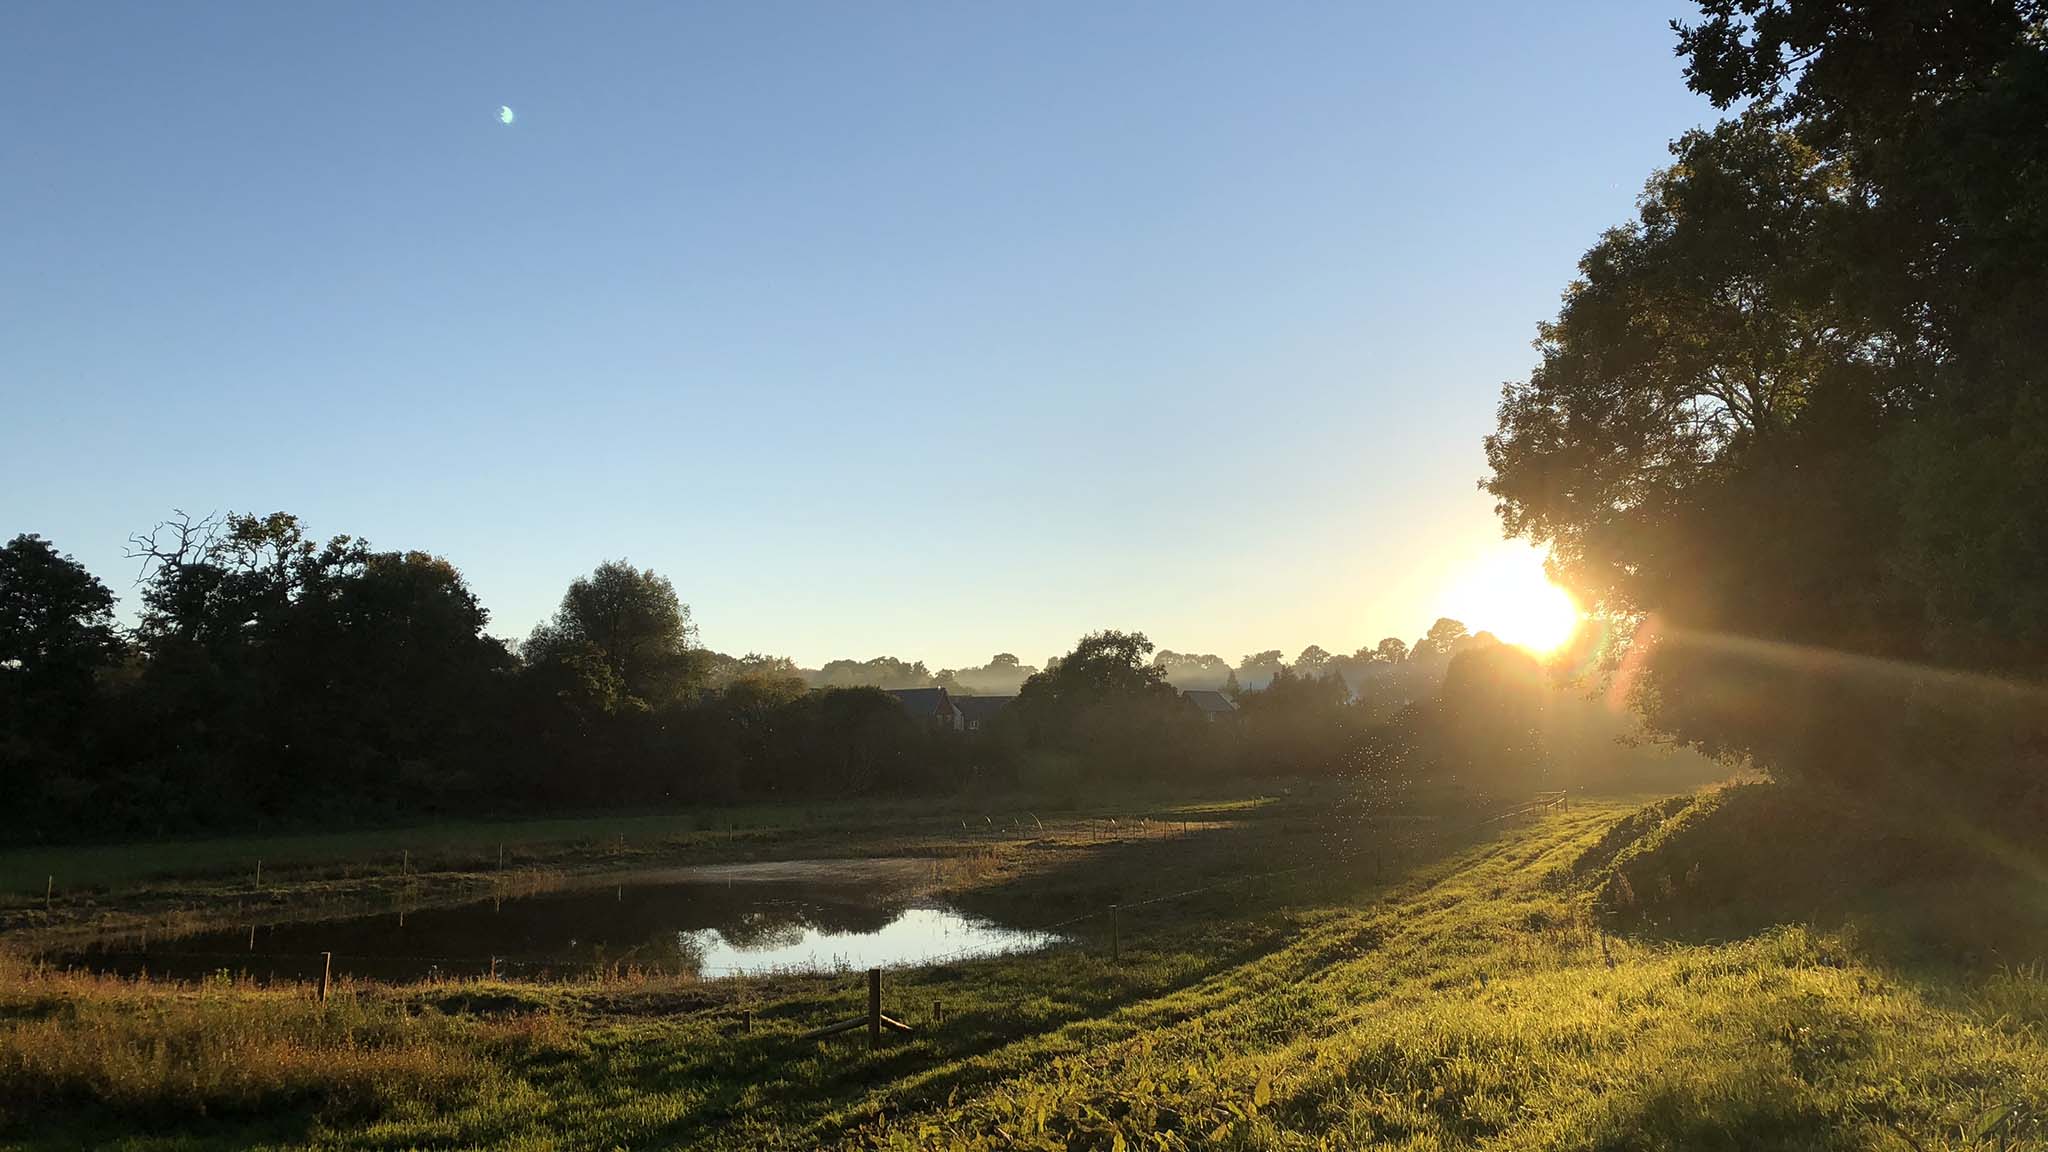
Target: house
979	711
932	706
1211	704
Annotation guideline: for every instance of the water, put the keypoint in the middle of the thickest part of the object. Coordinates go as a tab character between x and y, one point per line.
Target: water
712	928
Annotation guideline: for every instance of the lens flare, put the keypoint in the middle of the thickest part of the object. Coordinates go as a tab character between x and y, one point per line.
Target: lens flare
505	114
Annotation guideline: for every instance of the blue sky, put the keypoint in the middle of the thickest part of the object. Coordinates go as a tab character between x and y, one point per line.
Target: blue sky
918	329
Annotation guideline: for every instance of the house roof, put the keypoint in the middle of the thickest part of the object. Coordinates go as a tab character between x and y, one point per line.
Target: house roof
922	702
1209	700
981	707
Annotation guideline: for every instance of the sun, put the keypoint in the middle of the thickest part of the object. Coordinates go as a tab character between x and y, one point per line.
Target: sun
1506	592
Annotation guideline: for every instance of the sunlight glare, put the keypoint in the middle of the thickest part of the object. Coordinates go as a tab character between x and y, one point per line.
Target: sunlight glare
1506	592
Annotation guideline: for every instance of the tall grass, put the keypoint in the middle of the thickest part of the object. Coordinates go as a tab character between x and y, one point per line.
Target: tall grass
147	1052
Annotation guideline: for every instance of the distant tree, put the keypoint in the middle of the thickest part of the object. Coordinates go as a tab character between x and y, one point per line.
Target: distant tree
1440	641
1260	667
1492	705
1001	676
1313	661
1102	666
631	619
1189	670
1296	724
1388	651
879	672
1106	701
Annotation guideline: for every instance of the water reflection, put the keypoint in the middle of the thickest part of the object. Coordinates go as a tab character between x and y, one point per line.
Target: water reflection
713	928
916	935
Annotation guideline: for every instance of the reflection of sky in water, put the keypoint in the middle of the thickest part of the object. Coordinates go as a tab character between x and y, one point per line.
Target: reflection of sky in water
916	936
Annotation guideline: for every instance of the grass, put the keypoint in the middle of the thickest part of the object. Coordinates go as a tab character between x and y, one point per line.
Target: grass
456	844
179	887
1470	1000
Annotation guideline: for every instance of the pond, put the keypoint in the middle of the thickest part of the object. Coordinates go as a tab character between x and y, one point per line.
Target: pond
722	926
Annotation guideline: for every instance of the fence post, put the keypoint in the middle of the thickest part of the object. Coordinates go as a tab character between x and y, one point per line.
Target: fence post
874	1009
938	1012
405	863
326	974
259	871
1115	945
252	937
49	893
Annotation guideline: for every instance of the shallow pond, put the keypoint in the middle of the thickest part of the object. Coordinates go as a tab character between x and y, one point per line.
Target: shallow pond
713	927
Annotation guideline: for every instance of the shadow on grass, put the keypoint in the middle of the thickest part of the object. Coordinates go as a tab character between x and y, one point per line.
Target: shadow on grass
1729	864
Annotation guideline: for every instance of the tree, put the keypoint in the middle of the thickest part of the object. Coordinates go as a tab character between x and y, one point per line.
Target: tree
633	620
54	615
1312	661
1491	711
57	639
1440	641
1189	670
1388	651
880	672
1796	401
1001	676
1260	667
1105	701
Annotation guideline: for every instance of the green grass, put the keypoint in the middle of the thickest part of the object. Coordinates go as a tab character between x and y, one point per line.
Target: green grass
1470	1002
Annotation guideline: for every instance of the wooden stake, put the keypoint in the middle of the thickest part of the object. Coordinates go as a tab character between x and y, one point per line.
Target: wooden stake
259	872
326	974
49	892
252	937
938	1012
1115	945
874	1009
405	863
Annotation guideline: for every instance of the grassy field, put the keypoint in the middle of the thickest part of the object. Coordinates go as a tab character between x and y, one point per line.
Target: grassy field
1463	999
177	887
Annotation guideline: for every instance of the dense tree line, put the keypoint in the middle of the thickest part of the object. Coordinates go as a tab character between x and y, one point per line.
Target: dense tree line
1788	426
272	680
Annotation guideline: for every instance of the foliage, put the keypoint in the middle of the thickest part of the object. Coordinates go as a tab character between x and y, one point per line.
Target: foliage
1796	405
632	621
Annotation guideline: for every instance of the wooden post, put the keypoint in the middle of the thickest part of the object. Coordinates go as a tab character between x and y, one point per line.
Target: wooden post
49	892
259	872
938	1012
1115	945
501	857
326	974
494	967
874	1009
252	937
747	1021
405	863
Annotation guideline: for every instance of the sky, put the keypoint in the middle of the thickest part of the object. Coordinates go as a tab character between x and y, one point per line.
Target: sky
917	329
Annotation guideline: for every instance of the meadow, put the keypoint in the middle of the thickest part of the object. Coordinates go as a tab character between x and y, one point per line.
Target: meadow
1311	991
